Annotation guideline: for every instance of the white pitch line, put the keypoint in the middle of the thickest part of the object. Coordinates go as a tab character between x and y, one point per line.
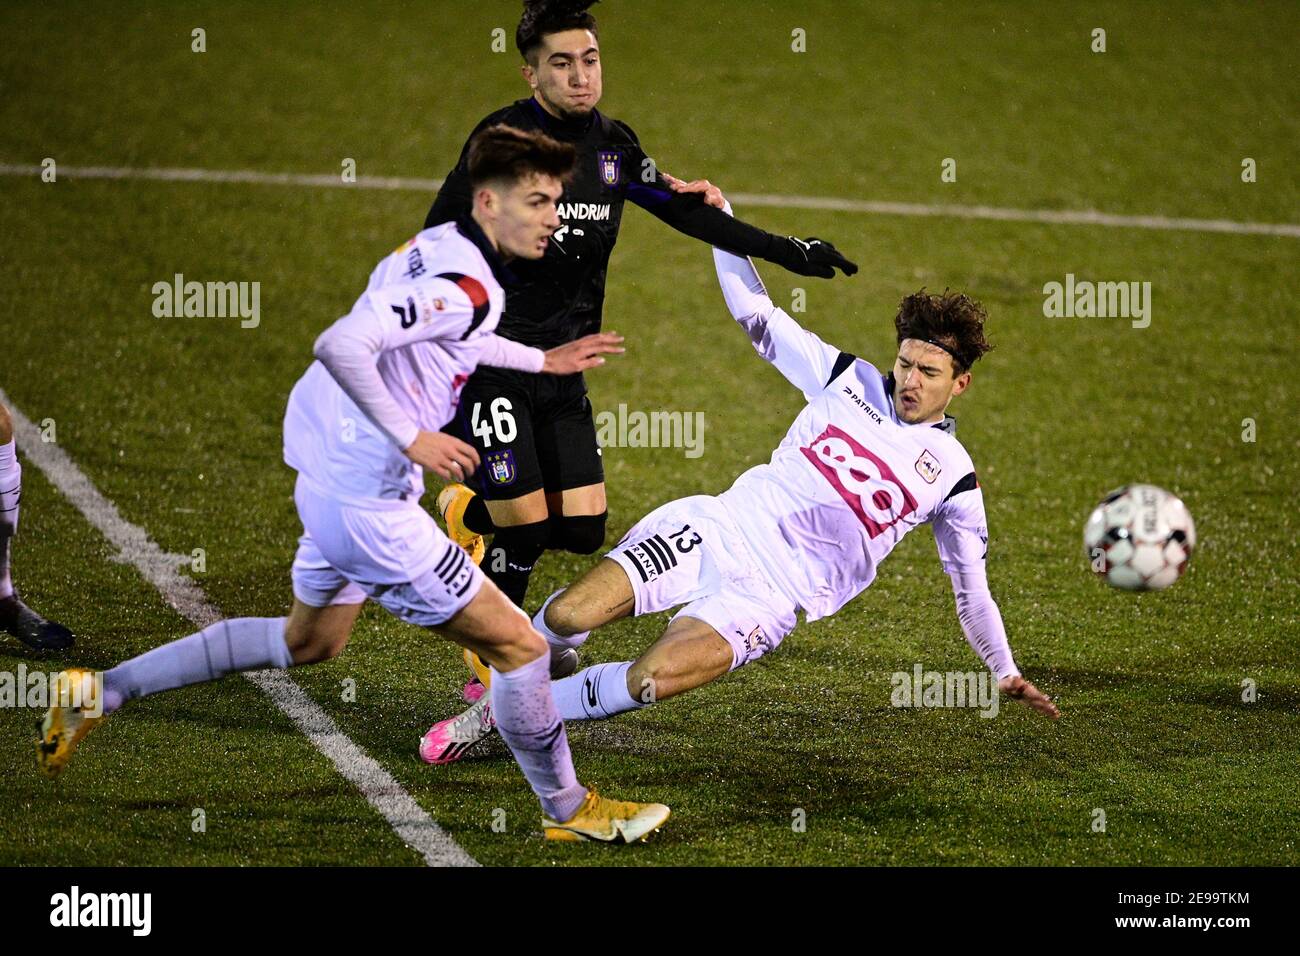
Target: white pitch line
415	827
227	176
1084	217
1070	217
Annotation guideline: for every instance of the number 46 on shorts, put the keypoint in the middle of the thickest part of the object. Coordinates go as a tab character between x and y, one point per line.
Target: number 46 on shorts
499	427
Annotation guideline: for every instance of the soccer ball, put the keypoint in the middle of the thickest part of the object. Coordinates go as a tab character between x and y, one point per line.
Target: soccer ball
1139	538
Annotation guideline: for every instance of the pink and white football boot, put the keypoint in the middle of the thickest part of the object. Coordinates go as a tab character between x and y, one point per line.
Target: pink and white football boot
449	740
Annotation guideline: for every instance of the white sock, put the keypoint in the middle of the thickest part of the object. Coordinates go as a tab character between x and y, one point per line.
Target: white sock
595	693
531	727
11	489
238	644
557	640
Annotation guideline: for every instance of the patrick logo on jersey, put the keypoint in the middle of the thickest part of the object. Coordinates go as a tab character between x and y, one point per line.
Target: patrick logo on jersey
868	486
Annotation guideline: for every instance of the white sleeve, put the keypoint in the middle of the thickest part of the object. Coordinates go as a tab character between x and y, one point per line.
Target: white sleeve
803	358
387	318
504	353
961	532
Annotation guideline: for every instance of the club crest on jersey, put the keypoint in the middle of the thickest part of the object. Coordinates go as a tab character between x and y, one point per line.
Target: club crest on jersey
500	466
609	162
927	466
868	486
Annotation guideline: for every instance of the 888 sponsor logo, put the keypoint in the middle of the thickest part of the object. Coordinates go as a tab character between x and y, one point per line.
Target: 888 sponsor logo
868	486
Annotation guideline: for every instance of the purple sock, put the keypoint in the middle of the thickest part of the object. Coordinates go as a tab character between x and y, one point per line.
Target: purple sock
238	644
531	727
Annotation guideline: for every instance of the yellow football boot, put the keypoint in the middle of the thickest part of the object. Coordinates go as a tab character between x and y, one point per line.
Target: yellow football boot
451	504
482	673
75	710
608	821
564	661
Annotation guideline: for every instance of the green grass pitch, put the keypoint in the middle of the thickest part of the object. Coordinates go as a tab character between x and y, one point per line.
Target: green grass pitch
178	420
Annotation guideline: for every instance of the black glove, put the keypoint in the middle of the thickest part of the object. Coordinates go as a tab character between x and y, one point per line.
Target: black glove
809	257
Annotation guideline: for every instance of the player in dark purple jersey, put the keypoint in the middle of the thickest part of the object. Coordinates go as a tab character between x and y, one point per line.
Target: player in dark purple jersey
542	482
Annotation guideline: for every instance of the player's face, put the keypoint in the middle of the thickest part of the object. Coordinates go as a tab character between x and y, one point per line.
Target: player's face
924	383
524	214
566	79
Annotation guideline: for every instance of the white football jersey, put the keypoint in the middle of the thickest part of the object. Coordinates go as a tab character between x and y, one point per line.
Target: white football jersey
847	482
849	479
427	313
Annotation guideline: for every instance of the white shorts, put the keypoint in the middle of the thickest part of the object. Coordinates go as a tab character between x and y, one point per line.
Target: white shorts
397	556
690	552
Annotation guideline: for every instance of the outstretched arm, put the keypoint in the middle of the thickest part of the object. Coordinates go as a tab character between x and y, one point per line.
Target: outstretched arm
803	358
693	215
577	356
960	530
505	353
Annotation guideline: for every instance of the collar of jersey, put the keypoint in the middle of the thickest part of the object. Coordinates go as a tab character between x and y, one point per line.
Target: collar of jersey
474	233
561	128
949	424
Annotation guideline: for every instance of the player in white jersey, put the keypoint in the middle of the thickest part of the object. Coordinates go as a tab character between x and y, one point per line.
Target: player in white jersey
361	424
869	458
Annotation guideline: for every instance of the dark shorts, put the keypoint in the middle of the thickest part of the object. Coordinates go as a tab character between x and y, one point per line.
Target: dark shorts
531	431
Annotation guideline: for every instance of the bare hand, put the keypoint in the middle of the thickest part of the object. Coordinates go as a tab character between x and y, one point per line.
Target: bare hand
582	354
711	193
1021	689
445	455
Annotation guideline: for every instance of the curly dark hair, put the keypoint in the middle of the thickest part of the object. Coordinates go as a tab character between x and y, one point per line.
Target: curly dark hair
551	16
503	152
953	321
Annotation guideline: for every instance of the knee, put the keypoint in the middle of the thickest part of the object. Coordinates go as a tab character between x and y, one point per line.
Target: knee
316	652
580	534
6	426
313	645
667	670
564	616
